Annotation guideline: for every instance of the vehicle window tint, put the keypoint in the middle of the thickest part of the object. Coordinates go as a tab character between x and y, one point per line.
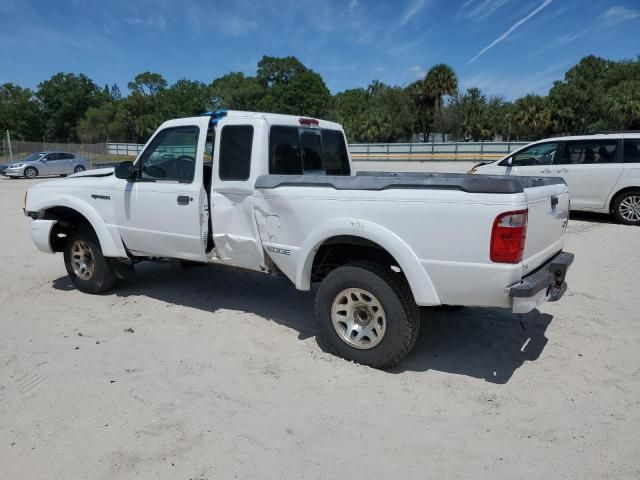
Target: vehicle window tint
311	149
539	154
334	149
51	156
171	156
589	152
284	151
65	156
297	151
632	150
235	152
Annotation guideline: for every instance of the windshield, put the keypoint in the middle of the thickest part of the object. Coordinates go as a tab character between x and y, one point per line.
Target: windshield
32	157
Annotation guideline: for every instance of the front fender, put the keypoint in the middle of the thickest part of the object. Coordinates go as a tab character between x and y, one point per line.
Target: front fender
110	242
421	286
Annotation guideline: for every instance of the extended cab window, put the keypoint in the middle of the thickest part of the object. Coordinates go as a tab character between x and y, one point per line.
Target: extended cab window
632	150
539	154
297	151
590	151
171	156
235	152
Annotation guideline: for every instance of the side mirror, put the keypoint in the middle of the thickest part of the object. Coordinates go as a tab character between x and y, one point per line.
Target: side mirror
124	170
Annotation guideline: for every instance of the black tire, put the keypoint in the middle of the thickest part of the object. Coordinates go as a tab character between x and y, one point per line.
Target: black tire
79	169
392	291
622	210
30	172
101	277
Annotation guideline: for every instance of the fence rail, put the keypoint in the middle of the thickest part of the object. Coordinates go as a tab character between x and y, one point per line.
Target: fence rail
104	153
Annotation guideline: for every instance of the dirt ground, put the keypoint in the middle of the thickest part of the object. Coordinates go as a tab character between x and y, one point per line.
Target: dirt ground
216	374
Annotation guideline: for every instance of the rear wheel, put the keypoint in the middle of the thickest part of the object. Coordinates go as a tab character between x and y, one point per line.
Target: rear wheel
30	172
626	207
88	269
367	314
79	169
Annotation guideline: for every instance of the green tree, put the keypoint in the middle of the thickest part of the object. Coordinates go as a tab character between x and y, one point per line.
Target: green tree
20	112
533	116
440	81
291	89
278	71
65	98
106	123
234	91
148	83
624	106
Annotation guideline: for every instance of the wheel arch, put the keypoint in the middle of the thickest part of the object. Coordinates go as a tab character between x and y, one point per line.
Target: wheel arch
622	191
73	212
365	235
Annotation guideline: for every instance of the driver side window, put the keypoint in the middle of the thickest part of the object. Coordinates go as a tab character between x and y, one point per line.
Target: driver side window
539	154
171	155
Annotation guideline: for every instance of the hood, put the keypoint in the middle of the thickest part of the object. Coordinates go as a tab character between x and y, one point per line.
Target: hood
98	172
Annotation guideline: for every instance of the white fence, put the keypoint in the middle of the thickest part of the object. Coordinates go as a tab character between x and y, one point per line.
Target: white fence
393	151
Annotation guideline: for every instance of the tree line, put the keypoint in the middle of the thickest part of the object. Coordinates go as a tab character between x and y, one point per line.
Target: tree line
595	95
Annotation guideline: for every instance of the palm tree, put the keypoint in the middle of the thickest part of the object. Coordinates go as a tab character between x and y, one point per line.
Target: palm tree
533	115
625	105
439	82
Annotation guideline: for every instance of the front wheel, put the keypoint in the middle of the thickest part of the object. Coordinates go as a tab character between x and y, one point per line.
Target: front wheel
88	269
367	314
30	172
626	208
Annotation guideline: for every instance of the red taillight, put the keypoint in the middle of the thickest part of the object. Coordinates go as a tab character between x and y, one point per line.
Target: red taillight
308	121
507	237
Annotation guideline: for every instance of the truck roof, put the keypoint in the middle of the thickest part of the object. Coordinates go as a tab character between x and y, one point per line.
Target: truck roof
273	118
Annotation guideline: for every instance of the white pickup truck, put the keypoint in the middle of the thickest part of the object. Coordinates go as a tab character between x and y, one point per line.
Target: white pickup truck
277	194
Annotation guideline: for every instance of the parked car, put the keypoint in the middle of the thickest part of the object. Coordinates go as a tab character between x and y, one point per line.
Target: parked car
602	171
278	195
42	164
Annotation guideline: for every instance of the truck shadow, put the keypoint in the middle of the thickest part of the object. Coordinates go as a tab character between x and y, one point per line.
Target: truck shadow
484	343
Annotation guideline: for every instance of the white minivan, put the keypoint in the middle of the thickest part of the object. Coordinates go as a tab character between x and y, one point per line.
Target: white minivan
602	171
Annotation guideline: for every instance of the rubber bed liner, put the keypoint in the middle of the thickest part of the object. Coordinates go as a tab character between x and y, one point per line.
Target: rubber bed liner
418	180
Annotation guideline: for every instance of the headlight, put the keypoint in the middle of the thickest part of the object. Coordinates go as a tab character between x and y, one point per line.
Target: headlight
16	165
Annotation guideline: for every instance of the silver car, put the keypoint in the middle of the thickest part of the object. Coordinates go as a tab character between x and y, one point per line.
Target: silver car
47	163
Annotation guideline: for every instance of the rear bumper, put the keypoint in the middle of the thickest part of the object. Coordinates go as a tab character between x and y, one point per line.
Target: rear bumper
547	284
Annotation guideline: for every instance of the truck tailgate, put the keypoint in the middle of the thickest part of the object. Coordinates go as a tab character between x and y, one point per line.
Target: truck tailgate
548	215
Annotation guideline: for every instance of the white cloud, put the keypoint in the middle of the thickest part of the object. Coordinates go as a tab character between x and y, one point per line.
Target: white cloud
512	86
412	10
353	4
153	21
510	30
619	14
477	10
236	26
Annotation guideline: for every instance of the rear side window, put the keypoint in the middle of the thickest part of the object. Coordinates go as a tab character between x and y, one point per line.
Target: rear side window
235	152
589	152
66	156
298	151
632	150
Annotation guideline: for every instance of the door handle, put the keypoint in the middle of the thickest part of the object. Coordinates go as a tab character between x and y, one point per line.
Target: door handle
546	170
184	199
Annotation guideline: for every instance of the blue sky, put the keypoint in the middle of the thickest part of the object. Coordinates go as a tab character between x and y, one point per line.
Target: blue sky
506	47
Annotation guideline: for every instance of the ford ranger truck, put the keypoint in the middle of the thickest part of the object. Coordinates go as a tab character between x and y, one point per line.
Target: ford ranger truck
277	194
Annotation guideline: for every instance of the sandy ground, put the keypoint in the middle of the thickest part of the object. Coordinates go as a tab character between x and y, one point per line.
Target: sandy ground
216	374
